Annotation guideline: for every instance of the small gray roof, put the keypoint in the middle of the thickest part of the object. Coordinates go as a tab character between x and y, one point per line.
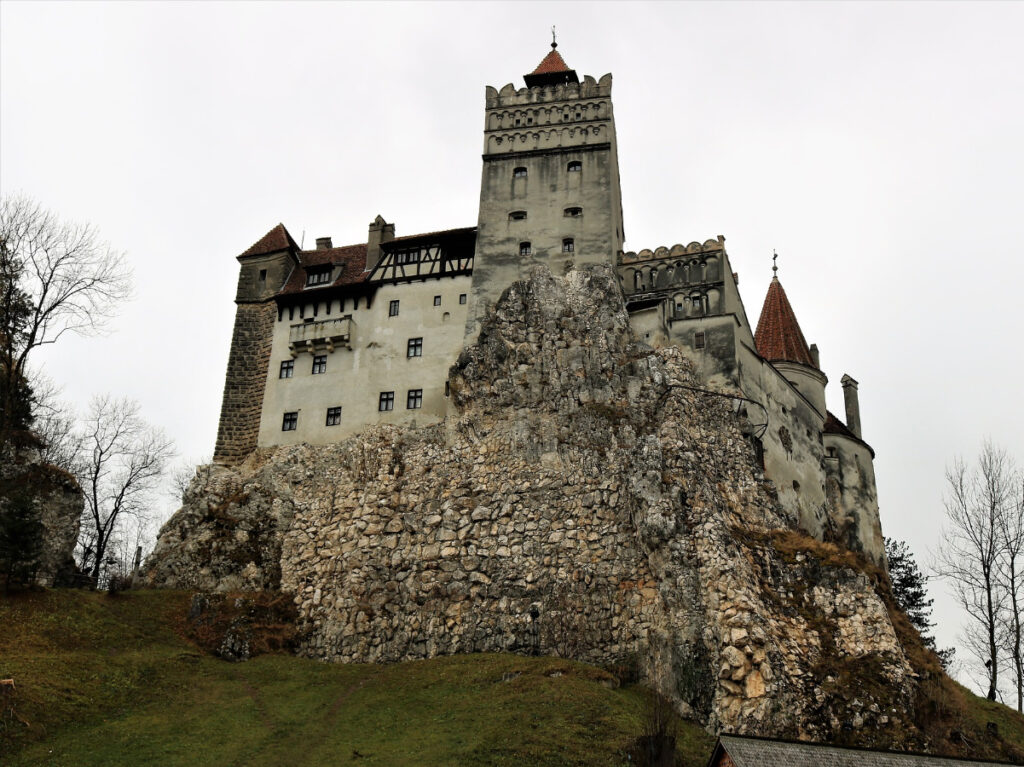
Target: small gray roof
761	752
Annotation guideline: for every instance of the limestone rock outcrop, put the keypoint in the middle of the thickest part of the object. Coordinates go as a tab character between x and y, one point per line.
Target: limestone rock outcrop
587	497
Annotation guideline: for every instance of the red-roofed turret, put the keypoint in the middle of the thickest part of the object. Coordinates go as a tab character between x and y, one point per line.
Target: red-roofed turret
552	70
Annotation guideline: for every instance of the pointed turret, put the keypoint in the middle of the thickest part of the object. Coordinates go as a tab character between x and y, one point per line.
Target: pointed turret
552	70
275	240
778	337
779	340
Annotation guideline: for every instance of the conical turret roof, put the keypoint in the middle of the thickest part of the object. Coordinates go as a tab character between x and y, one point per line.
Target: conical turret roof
778	337
552	70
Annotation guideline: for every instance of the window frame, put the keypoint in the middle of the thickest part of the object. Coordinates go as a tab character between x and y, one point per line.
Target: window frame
700	340
313	276
290	421
520	172
414	347
333	416
319	364
393	308
437	300
463	298
386	402
525	249
573	212
568	245
574	166
287	367
414	399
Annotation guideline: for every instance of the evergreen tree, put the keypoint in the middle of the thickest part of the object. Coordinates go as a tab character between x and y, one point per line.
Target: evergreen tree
910	590
21	535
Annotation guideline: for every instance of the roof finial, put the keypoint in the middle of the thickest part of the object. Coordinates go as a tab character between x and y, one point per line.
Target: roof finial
775	267
554	43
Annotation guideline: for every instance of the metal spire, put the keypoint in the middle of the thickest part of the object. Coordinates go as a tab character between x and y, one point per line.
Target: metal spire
554	43
775	267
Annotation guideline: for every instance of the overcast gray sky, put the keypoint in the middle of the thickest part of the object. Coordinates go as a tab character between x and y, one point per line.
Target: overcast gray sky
876	146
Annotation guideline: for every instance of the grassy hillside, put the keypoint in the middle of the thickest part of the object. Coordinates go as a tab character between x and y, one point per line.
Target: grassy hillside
103	680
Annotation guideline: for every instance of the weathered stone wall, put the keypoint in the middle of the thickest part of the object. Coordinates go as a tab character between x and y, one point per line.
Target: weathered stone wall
244	382
586	497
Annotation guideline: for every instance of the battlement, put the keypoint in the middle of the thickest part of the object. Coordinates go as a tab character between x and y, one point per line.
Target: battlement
510	96
694	248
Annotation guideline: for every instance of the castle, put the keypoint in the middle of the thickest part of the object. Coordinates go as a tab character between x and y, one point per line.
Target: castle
329	341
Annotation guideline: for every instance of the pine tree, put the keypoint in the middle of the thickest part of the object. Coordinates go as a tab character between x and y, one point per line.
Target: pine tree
21	536
910	590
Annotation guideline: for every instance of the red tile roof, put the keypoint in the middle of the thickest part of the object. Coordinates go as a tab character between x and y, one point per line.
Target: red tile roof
351	259
274	240
553	62
834	426
778	337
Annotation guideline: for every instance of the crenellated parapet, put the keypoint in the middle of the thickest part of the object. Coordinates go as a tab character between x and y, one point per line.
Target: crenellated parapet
509	96
677	250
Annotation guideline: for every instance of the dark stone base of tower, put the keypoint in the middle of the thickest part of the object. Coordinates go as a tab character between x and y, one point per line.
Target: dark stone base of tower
246	377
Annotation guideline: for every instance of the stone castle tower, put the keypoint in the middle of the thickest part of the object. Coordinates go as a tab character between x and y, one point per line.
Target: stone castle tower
549	192
328	342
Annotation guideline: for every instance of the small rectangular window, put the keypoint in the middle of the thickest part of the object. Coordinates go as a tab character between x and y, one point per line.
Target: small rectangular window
393	308
263	275
568	246
318	277
290	422
525	249
575	166
698	339
319	364
574	212
414	400
447	388
462	298
414	348
517	215
333	416
386	401
519	173
287	369
437	300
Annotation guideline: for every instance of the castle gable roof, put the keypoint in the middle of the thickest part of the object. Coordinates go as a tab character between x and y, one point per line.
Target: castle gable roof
553	62
746	751
778	337
833	425
277	239
351	259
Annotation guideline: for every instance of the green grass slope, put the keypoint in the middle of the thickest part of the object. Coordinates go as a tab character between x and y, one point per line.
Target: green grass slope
102	680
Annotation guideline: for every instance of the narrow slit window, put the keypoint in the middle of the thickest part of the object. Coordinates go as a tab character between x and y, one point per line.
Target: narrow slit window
698	339
263	275
393	308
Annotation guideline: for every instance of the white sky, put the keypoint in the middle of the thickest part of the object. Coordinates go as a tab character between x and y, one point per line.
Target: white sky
877	146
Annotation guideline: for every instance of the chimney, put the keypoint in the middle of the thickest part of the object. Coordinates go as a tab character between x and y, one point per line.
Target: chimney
852	404
814	356
380	232
323	243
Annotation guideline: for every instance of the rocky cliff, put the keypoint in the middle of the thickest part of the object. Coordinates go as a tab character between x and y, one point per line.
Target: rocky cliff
586	497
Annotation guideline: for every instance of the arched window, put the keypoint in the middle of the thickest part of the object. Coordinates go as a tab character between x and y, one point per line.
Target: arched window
519	172
517	215
525	249
568	246
575	166
574	212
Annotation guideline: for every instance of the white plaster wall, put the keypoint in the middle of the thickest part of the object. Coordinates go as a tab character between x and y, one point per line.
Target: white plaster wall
376	362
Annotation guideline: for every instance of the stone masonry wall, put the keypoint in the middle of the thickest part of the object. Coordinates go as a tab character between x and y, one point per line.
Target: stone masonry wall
587	497
244	382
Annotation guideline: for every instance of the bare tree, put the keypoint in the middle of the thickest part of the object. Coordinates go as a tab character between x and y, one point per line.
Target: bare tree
972	551
121	463
1011	564
70	280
